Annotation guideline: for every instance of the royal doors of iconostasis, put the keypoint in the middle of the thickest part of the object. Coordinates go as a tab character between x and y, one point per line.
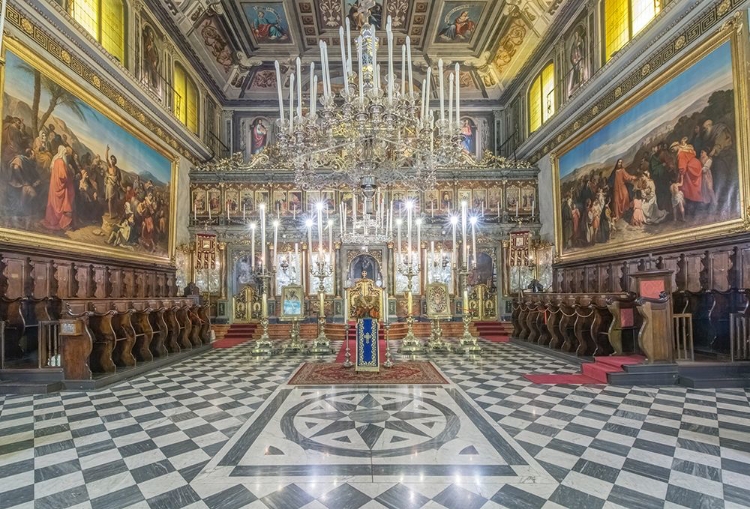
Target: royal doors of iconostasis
243	287
361	264
483	285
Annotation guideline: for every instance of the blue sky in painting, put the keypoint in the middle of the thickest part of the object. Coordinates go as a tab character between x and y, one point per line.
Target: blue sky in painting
96	131
713	72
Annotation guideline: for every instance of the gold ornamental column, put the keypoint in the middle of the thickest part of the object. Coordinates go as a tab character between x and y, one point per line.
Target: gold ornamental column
223	270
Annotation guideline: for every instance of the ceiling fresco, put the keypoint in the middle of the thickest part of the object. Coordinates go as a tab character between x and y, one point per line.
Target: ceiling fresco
238	41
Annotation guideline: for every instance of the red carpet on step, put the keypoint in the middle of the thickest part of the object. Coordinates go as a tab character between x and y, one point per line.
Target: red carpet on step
591	372
352	350
230	342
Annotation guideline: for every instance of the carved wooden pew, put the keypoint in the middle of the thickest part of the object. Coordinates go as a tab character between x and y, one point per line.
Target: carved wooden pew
174	333
205	324
160	333
11	314
144	332
104	341
725	305
625	318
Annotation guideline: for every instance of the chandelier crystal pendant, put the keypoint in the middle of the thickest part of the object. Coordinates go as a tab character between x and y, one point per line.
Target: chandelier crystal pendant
372	134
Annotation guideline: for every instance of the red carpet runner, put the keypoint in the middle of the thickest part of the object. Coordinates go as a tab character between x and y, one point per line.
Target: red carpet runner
352	350
237	334
591	372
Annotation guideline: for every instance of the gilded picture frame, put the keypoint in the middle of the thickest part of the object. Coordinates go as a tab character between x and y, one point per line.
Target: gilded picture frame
735	36
24	238
292	303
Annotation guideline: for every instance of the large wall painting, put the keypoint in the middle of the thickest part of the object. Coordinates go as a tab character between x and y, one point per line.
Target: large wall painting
74	178
663	167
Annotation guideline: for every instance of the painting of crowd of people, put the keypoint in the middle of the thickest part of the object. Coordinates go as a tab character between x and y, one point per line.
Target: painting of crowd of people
72	173
663	166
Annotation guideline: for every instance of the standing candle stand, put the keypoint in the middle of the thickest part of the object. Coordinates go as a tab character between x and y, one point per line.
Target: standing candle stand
388	362
321	270
468	342
263	344
348	358
295	343
436	341
410	343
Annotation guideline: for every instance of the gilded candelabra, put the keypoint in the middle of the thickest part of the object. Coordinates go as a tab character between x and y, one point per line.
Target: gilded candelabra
295	344
467	343
263	344
410	343
321	270
436	341
348	358
388	362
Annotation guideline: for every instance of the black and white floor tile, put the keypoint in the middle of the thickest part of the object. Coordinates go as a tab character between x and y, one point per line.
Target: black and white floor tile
225	431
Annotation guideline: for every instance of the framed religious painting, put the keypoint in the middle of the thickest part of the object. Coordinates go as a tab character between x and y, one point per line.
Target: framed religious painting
200	201
247	200
479	200
528	199
214	201
279	201
494	200
446	200
262	197
292	302
232	201
294	202
432	201
667	166
513	199
328	197
464	195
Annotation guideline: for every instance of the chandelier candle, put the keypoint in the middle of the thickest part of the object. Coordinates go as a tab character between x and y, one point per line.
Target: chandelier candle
389	34
299	88
262	235
403	71
343	58
359	70
291	104
408	225
348	48
278	89
458	96
408	63
442	93
450	99
309	224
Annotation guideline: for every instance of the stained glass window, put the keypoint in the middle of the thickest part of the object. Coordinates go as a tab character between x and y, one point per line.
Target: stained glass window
105	21
542	98
623	19
185	98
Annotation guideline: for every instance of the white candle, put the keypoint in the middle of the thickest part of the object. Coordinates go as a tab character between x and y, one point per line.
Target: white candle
330	235
312	90
427	93
348	46
278	89
463	231
454	222
403	71
208	203
314	97
442	94
359	68
244	212
419	241
408	61
328	71
375	62
322	65
262	235
344	63
354	211
252	242
450	100
408	226
398	235
474	239
309	224
291	103
458	95
275	243
320	228
390	62
423	115
299	88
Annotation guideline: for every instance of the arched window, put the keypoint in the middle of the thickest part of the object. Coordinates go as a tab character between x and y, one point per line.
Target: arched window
623	19
105	21
185	98
542	97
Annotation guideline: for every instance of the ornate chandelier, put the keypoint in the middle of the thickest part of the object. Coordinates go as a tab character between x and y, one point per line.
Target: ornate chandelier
373	134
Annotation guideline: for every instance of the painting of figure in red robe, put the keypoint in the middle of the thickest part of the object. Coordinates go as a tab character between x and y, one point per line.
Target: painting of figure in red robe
665	165
72	173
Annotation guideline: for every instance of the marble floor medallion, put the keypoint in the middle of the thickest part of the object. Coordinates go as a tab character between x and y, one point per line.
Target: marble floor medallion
372	434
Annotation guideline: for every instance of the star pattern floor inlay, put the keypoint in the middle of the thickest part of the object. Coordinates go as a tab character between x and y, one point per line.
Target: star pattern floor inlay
225	431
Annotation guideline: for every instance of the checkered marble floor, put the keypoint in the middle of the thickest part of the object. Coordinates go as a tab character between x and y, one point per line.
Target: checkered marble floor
151	442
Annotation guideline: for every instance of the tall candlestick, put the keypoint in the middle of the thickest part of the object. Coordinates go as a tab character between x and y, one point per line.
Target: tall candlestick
330	235
442	94
299	88
419	240
408	227
408	63
278	89
343	58
252	242
309	224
